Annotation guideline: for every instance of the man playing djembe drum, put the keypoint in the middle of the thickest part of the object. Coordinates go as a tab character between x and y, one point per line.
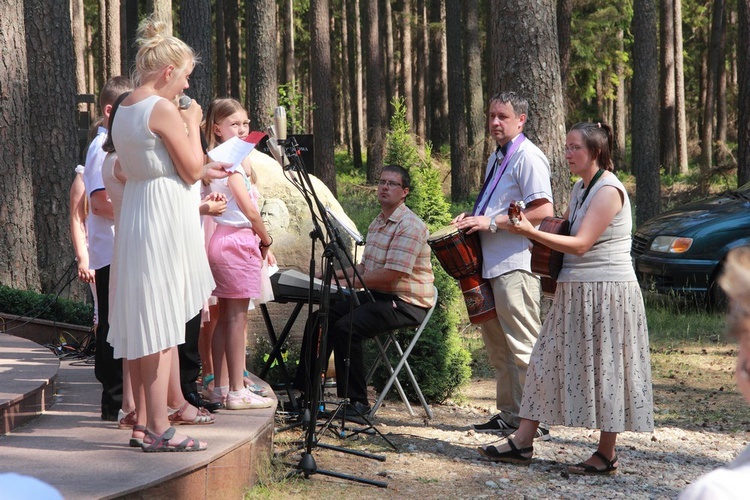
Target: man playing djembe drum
516	171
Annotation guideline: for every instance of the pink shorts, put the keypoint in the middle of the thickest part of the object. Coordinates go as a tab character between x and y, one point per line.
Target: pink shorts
235	260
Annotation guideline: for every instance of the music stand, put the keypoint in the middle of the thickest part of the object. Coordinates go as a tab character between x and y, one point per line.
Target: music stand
333	250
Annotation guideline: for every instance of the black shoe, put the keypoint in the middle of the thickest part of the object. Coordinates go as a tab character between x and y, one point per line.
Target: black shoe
196	400
356	410
496	424
109	417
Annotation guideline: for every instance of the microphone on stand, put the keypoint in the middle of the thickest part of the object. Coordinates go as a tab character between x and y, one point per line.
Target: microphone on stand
279	121
276	150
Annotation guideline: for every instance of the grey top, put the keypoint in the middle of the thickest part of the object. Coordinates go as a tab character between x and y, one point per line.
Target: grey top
609	258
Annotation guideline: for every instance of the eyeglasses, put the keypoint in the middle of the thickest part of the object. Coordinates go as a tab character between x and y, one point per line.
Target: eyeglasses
389	184
572	149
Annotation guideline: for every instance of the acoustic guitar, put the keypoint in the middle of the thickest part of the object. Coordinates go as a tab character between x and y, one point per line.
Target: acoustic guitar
547	262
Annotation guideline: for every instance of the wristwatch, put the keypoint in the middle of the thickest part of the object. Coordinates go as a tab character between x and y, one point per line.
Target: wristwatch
493	225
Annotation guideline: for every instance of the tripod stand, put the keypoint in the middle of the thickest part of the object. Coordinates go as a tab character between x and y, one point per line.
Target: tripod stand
333	250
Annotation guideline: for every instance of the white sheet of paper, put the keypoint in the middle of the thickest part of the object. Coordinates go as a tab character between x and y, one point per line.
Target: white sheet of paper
232	151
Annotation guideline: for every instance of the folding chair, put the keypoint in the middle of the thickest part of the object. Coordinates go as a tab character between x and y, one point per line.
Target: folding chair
402	363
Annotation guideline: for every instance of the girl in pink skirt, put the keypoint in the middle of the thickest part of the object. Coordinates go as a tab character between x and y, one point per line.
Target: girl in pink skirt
236	253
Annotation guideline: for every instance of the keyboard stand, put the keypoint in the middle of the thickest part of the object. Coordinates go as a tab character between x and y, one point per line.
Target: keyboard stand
278	343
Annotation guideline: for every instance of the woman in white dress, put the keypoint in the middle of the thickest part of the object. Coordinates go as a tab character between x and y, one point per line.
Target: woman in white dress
590	366
161	279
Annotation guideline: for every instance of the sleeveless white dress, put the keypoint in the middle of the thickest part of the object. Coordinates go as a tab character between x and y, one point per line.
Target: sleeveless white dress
162	272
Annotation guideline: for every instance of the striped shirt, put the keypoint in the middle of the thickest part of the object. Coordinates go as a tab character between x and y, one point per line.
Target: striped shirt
399	243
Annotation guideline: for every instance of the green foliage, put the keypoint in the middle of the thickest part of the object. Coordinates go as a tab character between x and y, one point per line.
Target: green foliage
49	307
595	54
292	99
439	361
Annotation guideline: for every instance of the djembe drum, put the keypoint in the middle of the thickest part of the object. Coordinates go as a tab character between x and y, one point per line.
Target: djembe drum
461	256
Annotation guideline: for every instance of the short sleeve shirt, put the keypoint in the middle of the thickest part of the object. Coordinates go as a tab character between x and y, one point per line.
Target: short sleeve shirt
100	230
399	243
527	178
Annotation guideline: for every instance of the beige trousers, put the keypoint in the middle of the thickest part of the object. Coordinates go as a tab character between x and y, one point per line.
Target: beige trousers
510	337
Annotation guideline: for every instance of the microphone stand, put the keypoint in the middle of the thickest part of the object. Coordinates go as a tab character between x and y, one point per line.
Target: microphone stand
331	242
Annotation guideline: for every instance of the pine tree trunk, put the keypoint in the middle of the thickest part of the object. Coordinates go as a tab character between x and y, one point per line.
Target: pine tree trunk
376	105
714	59
288	20
320	52
195	30
222	83
407	80
355	70
345	115
720	135
460	183
620	119
476	120
564	16
50	82
645	143
667	134
681	120
162	10
421	102
114	63
18	246
129	27
743	94
79	44
438	80
390	62
231	17
261	95
525	59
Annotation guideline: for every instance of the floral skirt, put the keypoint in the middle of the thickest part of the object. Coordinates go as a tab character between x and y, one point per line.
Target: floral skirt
591	365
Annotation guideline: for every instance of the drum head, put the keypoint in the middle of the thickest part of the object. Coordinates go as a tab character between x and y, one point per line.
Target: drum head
442	233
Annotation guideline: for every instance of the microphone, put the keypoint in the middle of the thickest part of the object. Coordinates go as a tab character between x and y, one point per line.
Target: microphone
275	149
184	102
279	120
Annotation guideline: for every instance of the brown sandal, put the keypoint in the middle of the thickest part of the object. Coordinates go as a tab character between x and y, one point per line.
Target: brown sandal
161	443
591	470
202	417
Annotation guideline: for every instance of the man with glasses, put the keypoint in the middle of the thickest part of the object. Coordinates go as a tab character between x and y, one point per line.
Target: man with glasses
396	270
516	171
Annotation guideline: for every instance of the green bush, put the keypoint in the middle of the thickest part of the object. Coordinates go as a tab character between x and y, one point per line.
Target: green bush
439	361
35	305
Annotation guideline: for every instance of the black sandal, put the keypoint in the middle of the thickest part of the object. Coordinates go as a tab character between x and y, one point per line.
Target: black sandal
514	455
590	470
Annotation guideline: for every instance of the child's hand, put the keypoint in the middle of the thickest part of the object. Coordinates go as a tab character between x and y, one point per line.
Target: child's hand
271	259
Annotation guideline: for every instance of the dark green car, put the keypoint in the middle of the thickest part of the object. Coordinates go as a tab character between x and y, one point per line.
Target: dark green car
682	250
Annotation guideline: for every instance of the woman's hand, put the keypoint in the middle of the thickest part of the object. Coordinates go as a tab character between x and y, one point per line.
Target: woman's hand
193	114
522	226
216	170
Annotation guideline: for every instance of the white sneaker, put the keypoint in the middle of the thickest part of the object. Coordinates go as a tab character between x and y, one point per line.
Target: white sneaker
246	400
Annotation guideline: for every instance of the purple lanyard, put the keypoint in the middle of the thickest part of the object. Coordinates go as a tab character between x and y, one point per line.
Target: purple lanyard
494	179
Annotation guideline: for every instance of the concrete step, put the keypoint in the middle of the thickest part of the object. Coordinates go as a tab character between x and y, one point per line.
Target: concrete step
69	447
